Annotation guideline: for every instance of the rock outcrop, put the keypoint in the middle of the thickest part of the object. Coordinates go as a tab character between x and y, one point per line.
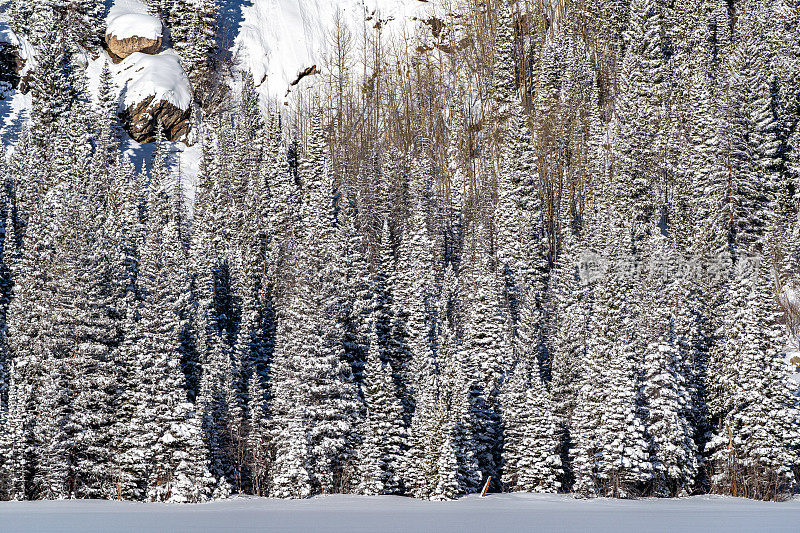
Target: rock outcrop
119	49
156	91
142	119
129	33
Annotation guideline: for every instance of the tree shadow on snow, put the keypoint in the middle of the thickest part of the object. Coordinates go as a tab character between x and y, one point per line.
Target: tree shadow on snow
230	17
10	125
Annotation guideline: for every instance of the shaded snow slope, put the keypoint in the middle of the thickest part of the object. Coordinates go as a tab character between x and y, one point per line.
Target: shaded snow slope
279	38
495	513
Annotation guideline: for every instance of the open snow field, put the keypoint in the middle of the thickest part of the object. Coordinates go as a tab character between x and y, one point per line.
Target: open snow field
495	513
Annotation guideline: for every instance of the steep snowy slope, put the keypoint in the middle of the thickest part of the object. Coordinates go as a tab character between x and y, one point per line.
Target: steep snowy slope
279	38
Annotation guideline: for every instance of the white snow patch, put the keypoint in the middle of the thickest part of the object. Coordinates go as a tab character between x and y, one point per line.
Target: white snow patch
131	25
497	512
129	18
161	76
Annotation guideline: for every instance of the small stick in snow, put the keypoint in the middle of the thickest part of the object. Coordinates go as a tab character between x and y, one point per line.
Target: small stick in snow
486	487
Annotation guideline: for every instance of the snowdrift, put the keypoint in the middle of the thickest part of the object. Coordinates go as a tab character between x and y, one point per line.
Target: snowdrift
160	76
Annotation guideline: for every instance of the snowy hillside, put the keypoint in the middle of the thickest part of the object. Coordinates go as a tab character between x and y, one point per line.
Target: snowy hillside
279	38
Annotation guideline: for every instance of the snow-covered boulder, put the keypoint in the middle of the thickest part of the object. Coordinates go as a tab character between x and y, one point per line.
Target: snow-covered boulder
155	90
129	31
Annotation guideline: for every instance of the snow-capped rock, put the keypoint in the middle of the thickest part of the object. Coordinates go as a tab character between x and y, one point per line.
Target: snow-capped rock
129	29
155	89
122	48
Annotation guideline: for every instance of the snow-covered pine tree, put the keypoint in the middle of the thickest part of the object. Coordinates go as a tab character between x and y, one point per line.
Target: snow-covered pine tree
539	465
610	447
568	315
96	330
531	460
709	248
160	8
508	215
17	455
504	78
24	182
283	211
249	134
51	99
218	406
178	15
71	457
208	247
641	100
256	330
421	457
259	452
447	483
486	343
8	263
108	139
30	331
415	299
391	334
124	226
380	456
291	478
515	423
198	37
19	13
355	291
309	363
751	131
171	433
442	453
752	452
461	393
666	386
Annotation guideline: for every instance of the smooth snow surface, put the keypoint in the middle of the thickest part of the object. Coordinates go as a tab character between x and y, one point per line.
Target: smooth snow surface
279	38
495	513
129	18
132	25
